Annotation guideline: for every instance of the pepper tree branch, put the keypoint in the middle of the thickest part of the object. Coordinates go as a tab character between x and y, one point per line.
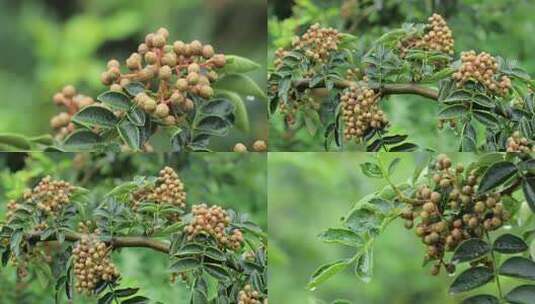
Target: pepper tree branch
116	242
386	89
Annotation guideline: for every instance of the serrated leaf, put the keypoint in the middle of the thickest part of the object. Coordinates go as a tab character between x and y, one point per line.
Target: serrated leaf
481	299
518	267
325	272
82	140
453	111
528	188
240	109
509	243
213	125
137	116
371	170
240	84
471	278
185	265
364	265
470	250
341	236
238	65
134	88
130	134
136	300
115	100
496	175
523	294
362	220
216	271
95	116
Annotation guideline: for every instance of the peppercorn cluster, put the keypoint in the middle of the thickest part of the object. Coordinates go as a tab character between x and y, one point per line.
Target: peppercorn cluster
72	102
361	112
518	143
451	211
317	43
249	296
92	263
482	68
169	189
12	206
214	221
437	37
49	195
179	70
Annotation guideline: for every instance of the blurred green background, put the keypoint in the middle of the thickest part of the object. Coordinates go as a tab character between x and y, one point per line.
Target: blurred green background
500	27
47	44
231	180
310	192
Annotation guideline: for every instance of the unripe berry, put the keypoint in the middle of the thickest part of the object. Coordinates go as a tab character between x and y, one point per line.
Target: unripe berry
208	51
105	78
113	64
182	84
194	68
179	47
116	88
193	78
219	60
260	146
58	99
196	47
149	105
142	49
177	98
69	91
162	110
158	41
169	59
163	31
165	73
151	57
240	148
188	105
206	91
169	120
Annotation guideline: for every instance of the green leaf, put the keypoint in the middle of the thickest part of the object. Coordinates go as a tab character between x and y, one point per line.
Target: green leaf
481	299
15	241
115	100
486	118
325	272
46	140
240	84
136	300
470	250
508	243
217	271
213	125
82	140
404	147
16	141
129	134
137	116
518	267
364	265
341	236
471	278
528	187
483	100
496	175
126	292
215	254
363	219
312	121
393	165
458	96
453	111
134	88
106	299
184	265
190	249
95	116
238	65
240	110
371	170
523	294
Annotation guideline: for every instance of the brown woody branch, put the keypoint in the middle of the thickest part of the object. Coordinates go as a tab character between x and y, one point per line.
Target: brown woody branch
116	242
386	89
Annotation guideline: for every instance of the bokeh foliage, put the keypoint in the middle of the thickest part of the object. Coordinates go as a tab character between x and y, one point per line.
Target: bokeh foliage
499	27
233	181
52	43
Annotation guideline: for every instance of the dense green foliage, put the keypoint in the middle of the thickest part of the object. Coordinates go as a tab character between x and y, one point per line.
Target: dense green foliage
367	21
211	179
53	44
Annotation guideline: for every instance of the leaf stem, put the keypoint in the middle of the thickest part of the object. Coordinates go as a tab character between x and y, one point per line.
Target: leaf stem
495	270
